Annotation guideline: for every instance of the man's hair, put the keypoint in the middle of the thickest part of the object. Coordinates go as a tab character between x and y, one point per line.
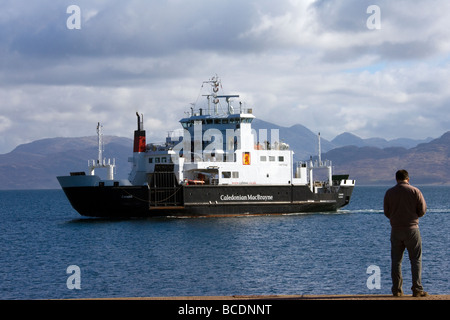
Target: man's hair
401	175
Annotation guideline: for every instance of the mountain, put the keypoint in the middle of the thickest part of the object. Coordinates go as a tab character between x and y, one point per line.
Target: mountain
427	163
349	139
300	139
305	142
35	165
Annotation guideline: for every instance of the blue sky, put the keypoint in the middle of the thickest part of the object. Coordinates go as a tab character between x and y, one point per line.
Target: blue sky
293	61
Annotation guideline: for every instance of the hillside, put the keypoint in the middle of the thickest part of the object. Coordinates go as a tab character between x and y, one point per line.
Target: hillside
300	139
304	142
349	139
427	163
35	165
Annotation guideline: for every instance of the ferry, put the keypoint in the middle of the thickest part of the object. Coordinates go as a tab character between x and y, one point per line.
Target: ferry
216	166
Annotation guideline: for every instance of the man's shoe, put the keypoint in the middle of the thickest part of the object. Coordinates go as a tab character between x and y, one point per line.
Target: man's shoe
398	294
419	294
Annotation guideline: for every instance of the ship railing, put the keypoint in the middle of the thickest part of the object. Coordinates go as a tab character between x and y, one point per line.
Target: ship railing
324	187
315	164
320	164
159	146
104	163
211	112
266	145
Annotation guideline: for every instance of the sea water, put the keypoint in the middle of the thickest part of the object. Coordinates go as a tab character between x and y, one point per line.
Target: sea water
48	251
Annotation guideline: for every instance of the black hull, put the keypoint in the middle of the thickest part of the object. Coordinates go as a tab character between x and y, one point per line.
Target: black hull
196	201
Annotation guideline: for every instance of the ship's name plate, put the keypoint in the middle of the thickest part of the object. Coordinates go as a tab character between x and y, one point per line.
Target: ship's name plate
248	197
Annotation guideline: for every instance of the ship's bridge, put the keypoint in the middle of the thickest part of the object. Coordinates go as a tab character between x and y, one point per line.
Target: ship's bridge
202	126
223	149
230	119
227	121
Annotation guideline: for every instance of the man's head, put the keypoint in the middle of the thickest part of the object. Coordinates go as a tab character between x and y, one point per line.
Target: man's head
402	175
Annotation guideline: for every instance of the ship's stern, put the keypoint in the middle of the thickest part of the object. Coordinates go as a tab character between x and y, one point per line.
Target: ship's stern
345	192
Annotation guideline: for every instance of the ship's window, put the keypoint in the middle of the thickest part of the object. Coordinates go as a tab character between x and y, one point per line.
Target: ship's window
271	158
229	157
217	121
209	121
157	160
150	160
236	174
225	121
263	158
226	174
281	158
164	160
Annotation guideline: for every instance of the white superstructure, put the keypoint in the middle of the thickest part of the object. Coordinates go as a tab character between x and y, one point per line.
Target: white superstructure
219	147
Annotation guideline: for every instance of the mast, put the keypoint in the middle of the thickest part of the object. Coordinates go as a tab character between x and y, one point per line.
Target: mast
318	164
320	152
215	84
100	143
100	162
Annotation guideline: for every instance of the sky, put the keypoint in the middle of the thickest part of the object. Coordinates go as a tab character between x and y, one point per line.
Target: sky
372	68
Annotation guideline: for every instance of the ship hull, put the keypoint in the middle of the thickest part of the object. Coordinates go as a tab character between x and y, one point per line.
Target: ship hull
199	200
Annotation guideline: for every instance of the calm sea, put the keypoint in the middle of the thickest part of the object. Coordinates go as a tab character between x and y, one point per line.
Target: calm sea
41	236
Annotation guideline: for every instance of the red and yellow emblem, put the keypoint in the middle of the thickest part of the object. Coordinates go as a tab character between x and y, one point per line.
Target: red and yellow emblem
246	158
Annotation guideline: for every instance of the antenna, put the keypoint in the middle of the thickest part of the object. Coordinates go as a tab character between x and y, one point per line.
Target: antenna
100	143
320	152
100	162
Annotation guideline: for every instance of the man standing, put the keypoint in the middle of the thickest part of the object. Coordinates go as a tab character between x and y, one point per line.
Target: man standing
404	205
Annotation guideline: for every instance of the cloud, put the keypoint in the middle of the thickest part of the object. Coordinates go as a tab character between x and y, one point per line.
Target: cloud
293	61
